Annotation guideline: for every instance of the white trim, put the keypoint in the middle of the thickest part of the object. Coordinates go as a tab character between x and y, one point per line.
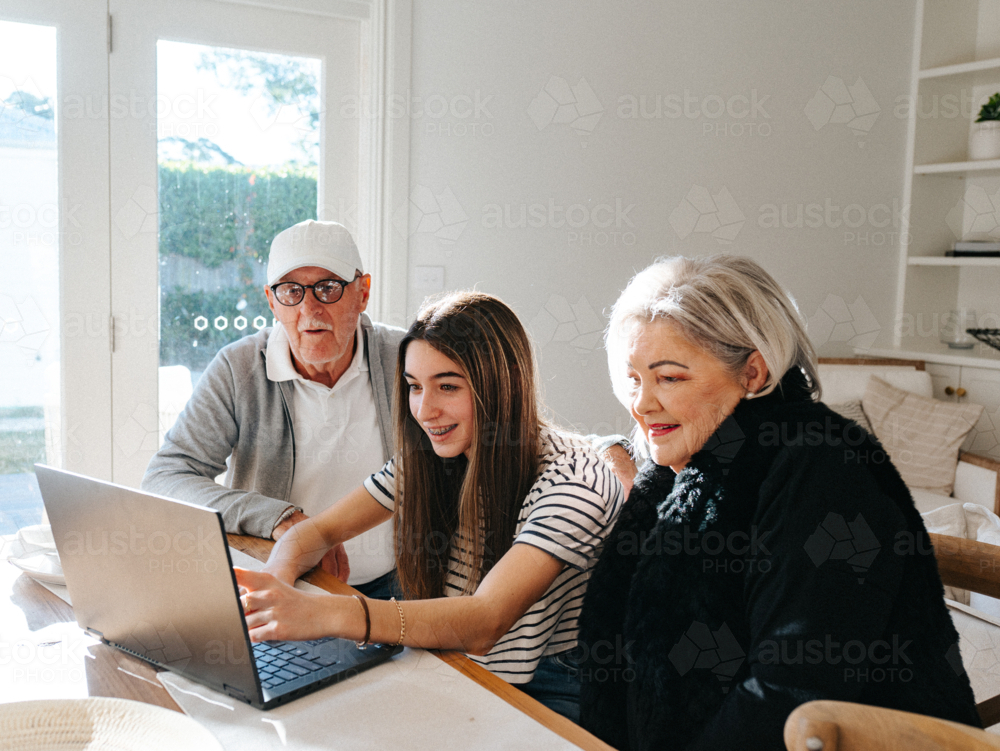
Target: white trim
911	141
355	10
387	169
83	439
976	66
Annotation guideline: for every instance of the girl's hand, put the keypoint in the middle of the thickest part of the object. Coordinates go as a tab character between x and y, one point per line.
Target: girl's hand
276	611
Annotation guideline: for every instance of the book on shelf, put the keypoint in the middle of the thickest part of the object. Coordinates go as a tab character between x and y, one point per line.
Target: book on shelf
972	253
977	246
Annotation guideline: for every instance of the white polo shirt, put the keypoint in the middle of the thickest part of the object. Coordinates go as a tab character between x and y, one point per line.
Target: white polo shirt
337	446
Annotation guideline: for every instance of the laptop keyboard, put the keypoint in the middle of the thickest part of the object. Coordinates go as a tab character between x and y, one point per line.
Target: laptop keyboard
281	662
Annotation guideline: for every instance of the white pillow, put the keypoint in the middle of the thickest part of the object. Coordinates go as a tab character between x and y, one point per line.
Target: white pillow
843	383
949	520
927	500
973	522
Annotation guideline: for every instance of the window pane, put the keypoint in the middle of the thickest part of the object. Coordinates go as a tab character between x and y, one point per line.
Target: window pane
29	268
238	138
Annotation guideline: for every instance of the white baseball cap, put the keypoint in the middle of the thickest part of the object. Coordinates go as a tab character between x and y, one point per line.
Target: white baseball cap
310	243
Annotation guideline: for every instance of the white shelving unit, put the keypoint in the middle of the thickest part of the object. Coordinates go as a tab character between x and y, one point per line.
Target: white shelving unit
955	68
945	261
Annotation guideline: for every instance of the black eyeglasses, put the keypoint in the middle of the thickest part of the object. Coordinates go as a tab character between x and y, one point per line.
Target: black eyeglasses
327	291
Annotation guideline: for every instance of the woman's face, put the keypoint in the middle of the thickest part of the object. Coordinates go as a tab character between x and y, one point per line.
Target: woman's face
440	399
680	393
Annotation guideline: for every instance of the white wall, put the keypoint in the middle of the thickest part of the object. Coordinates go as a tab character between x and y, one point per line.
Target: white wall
790	152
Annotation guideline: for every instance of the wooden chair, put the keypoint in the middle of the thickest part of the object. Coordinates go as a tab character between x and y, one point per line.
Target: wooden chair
842	726
975	566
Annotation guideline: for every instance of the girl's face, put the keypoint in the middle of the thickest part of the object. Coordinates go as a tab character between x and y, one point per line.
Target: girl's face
440	399
680	393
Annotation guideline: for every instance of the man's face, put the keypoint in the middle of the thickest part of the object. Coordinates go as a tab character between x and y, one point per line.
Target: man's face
321	335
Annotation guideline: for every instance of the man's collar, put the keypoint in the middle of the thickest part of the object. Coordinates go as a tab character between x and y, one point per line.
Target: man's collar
278	357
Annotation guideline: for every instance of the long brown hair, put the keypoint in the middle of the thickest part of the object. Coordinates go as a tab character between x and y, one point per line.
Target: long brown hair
440	501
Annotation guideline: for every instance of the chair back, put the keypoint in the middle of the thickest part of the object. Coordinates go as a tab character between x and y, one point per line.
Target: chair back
842	726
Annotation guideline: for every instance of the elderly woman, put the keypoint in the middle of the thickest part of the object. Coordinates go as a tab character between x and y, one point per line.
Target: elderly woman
757	564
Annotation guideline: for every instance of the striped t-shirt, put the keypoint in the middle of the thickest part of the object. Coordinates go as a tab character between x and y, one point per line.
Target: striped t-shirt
568	512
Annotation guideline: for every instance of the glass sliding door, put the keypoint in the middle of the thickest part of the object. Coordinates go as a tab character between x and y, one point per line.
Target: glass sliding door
29	267
55	390
226	187
240	137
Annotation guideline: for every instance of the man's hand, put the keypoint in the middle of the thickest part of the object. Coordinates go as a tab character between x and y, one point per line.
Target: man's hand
621	463
334	562
295	518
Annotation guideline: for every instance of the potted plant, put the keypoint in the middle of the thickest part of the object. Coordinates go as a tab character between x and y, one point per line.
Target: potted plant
984	142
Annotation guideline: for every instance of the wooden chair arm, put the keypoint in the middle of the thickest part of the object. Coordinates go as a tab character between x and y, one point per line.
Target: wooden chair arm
842	726
968	564
873	361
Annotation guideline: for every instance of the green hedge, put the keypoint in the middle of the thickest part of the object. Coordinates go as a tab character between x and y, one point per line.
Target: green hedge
217	214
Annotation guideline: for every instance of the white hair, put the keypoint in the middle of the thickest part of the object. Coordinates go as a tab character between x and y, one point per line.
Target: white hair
727	305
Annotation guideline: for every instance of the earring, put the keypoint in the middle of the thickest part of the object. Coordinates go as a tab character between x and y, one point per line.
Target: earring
749	395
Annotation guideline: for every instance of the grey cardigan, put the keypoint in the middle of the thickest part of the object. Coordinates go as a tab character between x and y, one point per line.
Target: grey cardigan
236	413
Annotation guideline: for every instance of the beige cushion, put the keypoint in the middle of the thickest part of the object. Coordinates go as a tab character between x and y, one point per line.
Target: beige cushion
922	436
853	410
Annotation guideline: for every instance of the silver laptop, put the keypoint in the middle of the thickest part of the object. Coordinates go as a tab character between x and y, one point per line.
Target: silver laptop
152	576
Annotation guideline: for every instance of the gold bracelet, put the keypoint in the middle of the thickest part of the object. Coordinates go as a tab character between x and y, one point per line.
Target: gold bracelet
402	621
368	622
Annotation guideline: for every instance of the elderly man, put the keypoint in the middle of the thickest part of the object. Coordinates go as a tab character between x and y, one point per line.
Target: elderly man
300	412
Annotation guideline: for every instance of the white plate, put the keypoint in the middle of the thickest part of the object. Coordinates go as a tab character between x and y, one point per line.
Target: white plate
99	724
37	538
44	567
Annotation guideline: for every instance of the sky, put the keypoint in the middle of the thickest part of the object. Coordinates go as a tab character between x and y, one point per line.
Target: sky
27	58
190	103
194	105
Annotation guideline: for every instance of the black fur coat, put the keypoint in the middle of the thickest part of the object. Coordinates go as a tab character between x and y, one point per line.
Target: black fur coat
785	563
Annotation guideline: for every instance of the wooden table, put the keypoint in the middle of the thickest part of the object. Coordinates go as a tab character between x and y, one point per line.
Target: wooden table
38	661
